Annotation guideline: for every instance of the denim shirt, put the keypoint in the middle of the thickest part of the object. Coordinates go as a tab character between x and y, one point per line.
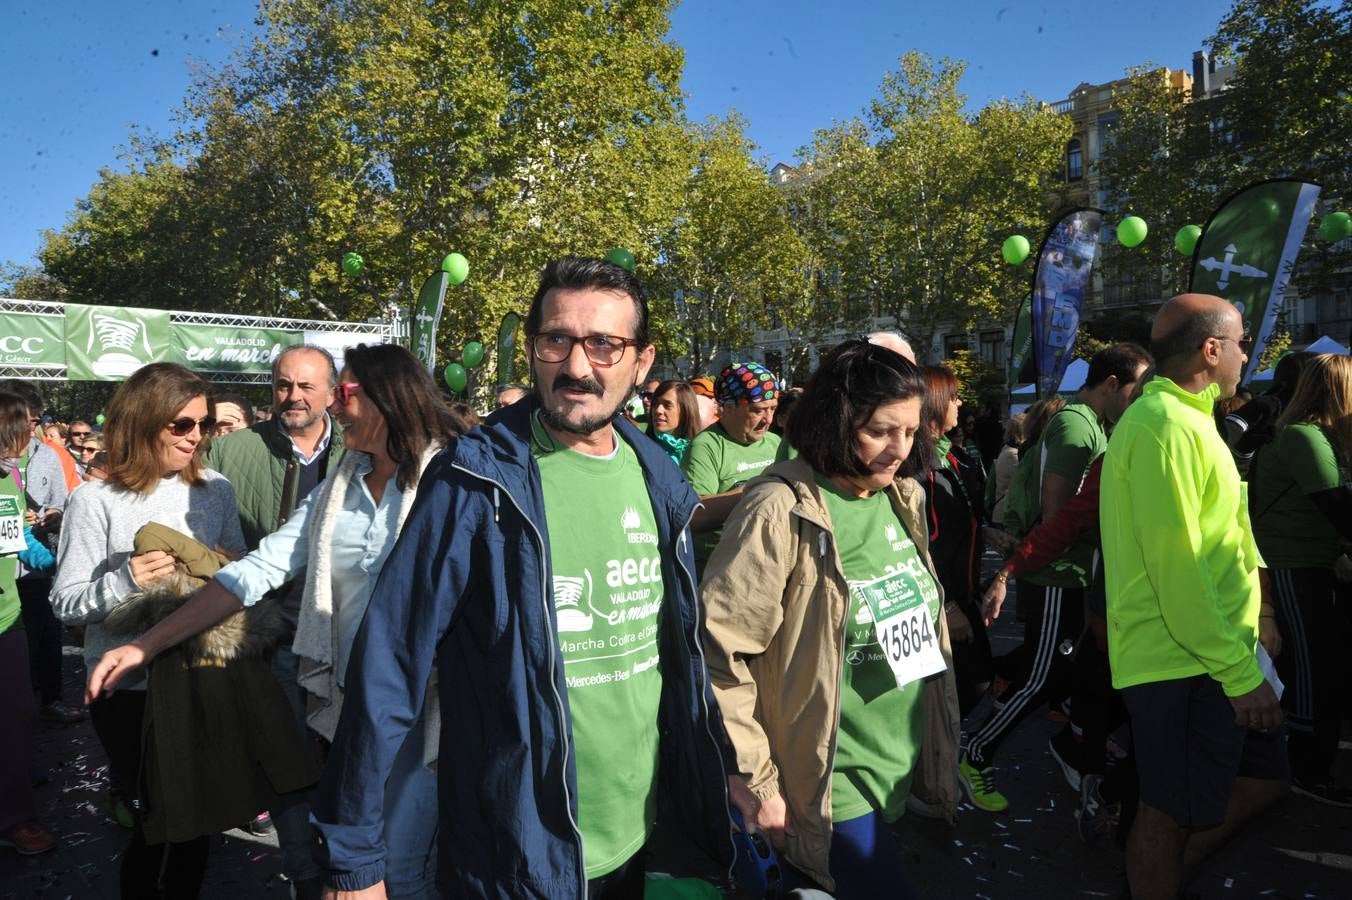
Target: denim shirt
362	538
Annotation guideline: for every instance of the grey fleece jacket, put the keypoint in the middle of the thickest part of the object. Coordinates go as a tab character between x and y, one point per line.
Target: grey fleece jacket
93	564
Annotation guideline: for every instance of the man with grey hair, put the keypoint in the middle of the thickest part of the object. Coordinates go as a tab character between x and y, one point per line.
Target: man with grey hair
273	466
894	342
507	394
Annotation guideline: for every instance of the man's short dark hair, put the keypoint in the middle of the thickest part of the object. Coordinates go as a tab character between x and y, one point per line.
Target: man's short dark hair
24	389
1120	360
850	384
575	273
1189	336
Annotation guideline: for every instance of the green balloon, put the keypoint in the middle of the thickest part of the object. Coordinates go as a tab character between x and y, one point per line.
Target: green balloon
455	266
1014	249
456	377
1335	226
622	258
1131	231
1186	240
472	355
99	419
353	263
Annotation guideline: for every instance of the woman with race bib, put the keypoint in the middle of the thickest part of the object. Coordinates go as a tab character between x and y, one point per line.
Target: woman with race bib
826	643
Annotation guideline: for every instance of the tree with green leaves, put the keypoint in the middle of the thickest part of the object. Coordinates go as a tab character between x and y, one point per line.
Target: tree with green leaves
1284	111
511	132
731	261
936	189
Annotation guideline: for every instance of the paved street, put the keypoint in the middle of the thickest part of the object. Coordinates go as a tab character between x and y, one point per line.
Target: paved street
1302	850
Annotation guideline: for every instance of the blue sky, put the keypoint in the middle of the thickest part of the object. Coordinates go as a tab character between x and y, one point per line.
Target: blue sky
81	73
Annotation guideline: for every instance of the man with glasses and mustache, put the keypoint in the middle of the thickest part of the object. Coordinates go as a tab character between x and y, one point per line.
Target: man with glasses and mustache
546	570
273	466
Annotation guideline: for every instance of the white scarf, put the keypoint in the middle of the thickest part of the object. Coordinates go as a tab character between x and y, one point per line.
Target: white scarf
317	626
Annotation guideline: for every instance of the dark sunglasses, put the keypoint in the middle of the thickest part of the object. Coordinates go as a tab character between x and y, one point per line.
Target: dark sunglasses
183	427
80	434
92	449
343	391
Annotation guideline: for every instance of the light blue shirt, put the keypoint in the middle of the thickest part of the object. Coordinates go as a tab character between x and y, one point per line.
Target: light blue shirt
362	538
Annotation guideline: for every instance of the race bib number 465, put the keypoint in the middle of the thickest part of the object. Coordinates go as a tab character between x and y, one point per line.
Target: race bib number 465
11	526
901	622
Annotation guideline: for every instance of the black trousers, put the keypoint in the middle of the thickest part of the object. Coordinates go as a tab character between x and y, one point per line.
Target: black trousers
44	636
625	883
1313	667
153	871
1055	621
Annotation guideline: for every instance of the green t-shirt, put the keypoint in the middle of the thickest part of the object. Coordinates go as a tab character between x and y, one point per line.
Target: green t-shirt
1071	441
9	565
716	463
1291	532
607	591
881	725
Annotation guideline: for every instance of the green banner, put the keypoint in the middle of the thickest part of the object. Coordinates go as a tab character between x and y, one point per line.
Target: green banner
1021	345
1248	250
108	343
32	340
211	348
426	315
507	346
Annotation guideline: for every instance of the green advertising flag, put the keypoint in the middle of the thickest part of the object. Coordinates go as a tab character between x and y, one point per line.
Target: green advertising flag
1021	345
1248	250
108	343
32	340
507	346
426	315
234	350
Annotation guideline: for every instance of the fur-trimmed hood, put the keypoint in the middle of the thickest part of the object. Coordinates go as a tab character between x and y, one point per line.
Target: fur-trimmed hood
252	631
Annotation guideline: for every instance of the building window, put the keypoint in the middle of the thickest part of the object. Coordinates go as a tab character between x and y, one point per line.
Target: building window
993	348
953	343
1074	161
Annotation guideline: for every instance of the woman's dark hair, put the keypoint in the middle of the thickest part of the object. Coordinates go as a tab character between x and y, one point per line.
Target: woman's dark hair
852	381
941	386
415	414
15	431
688	426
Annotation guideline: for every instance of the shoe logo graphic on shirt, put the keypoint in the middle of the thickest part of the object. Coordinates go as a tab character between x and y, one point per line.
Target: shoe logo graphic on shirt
569	593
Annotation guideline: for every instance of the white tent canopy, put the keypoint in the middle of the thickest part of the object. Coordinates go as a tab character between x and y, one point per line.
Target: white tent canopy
1324	344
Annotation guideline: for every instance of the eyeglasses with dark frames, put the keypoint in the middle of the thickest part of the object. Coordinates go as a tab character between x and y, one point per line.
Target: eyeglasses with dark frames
184	426
602	349
79	434
343	391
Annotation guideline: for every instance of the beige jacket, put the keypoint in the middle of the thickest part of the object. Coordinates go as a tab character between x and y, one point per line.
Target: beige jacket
776	602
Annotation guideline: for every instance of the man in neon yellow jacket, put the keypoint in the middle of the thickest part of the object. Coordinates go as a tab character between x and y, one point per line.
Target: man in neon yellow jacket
1184	600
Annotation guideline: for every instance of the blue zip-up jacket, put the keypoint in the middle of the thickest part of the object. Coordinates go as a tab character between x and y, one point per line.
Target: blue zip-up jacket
468	584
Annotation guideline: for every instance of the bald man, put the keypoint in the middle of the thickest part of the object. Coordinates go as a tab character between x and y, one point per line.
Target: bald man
1184	602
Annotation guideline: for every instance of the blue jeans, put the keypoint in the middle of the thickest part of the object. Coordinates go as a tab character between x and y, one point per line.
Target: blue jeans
295	837
865	862
411	823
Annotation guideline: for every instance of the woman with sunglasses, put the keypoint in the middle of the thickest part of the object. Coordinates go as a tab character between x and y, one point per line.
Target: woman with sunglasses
158	423
673	418
394	421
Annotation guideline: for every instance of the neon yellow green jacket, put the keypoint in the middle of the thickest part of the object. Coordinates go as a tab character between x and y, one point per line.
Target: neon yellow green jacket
1179	557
